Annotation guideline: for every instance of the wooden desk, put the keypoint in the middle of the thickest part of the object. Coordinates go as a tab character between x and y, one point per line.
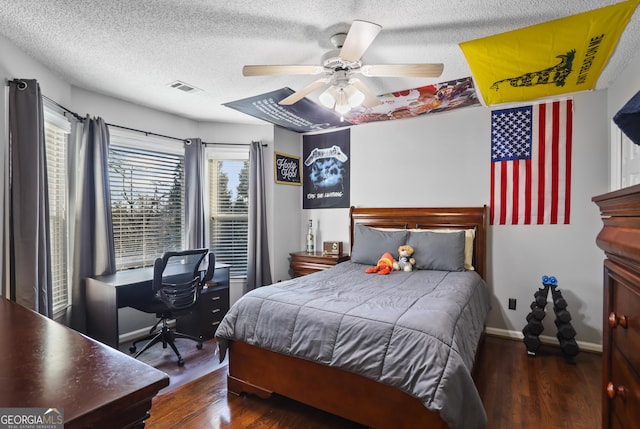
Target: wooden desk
44	364
105	294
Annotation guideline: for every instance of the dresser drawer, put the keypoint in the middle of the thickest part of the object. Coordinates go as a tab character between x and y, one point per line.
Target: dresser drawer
615	423
214	301
213	306
626	407
209	329
624	319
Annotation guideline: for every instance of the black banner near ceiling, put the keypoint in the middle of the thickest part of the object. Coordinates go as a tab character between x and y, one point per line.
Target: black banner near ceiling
306	115
302	117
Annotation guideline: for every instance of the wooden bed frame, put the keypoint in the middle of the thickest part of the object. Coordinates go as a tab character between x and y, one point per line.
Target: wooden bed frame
354	397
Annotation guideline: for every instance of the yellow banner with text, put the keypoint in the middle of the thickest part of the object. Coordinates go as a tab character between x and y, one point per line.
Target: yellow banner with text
544	60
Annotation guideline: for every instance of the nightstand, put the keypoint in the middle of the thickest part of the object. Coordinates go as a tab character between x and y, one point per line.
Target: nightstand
303	263
212	305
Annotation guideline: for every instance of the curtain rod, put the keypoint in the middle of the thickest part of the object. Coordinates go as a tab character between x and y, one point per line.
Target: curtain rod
80	118
148	133
75	115
231	144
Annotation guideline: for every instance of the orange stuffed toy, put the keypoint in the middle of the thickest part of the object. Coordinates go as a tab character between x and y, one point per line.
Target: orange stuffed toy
385	265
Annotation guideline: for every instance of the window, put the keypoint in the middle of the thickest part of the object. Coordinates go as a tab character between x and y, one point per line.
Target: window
57	129
147	197
228	171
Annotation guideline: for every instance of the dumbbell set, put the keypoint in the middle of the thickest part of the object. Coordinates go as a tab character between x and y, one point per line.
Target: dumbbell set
534	327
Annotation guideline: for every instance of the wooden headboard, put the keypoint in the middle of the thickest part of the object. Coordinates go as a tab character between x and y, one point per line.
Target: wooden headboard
428	218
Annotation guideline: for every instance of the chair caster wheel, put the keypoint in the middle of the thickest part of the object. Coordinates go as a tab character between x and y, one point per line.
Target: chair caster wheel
181	362
199	346
132	349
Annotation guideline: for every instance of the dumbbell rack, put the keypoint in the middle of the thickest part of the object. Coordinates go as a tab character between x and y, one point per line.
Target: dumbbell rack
534	327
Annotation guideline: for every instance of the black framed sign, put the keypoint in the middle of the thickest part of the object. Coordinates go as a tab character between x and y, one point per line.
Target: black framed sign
287	168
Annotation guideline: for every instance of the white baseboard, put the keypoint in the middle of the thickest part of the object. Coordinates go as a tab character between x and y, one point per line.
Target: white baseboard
140	333
544	339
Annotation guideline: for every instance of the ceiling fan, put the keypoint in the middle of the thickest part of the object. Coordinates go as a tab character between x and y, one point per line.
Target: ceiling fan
345	91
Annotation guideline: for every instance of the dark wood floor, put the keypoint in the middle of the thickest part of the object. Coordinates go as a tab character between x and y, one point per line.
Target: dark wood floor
197	362
518	391
544	391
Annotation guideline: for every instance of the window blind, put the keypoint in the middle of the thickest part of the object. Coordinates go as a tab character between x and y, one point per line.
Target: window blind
57	128
147	203
229	212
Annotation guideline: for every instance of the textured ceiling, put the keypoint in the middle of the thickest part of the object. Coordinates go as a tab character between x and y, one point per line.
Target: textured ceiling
132	49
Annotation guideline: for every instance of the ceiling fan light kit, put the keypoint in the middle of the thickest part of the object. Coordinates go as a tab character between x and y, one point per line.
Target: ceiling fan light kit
341	99
345	92
342	95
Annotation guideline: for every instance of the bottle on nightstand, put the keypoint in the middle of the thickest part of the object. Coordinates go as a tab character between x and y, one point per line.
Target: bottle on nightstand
310	238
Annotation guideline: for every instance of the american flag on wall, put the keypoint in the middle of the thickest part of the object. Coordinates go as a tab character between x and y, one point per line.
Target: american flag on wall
531	164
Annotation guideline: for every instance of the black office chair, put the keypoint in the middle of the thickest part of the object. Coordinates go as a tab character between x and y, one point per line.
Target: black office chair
177	281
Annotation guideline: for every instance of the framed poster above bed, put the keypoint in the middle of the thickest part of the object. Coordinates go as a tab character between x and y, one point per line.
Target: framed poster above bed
327	169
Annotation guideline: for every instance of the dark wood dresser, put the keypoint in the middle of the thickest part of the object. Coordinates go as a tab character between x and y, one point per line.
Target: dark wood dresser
620	240
44	364
303	263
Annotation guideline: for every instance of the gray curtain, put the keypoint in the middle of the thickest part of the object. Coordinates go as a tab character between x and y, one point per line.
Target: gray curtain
30	260
258	268
93	248
194	194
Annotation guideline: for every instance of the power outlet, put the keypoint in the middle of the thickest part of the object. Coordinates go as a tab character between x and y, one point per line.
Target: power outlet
512	303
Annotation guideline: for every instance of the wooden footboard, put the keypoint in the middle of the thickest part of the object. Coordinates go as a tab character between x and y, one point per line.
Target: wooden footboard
354	397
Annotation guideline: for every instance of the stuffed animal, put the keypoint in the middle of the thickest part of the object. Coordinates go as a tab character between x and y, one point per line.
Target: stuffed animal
405	260
385	265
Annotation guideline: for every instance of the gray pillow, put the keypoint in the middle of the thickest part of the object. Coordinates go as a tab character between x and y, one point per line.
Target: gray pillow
436	251
370	244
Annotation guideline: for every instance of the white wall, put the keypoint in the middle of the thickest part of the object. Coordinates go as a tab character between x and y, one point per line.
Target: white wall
624	87
14	64
443	160
120	112
285	216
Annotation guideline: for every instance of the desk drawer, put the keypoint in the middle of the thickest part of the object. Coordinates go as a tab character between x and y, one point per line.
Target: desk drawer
215	302
210	330
212	305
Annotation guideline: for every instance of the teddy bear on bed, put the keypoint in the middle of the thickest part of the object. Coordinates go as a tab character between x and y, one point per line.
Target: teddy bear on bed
385	265
405	260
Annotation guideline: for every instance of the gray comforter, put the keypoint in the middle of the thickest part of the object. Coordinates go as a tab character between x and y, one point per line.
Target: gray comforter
417	331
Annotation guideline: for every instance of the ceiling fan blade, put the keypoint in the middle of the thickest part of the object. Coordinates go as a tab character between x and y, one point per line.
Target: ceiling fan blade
360	36
370	99
268	70
299	95
403	70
